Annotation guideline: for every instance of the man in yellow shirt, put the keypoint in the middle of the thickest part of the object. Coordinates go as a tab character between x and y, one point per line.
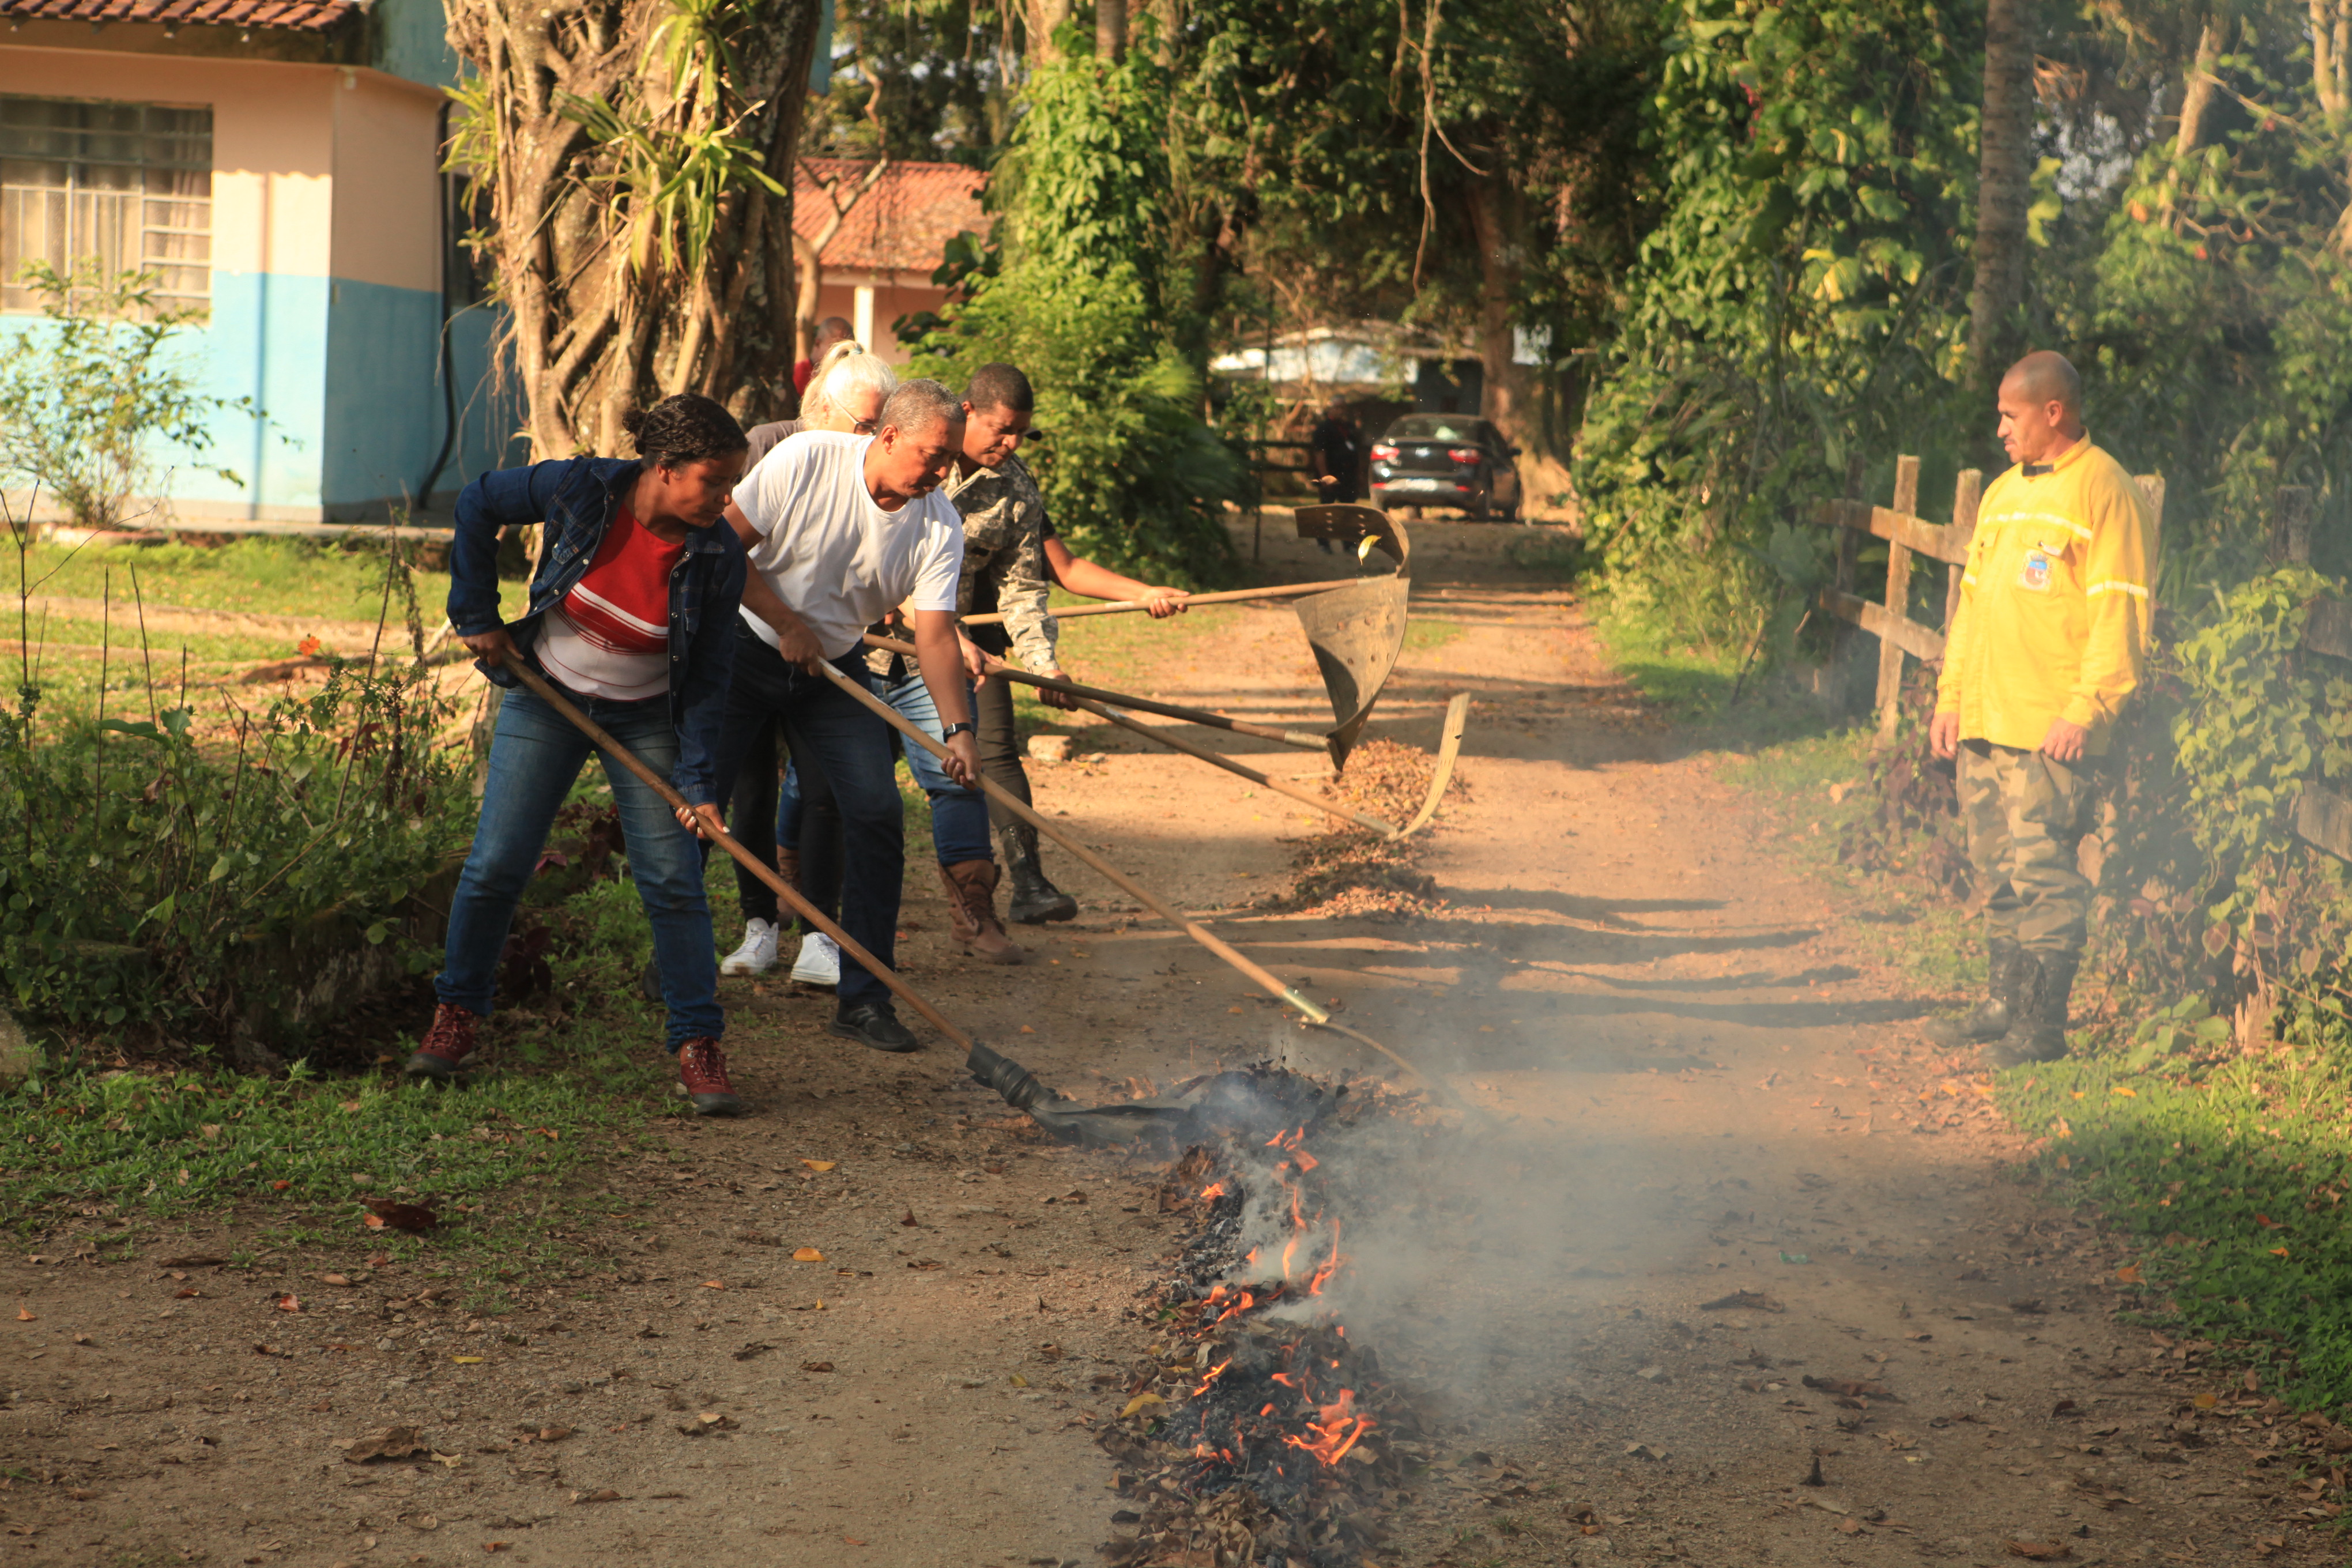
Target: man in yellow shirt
2049	639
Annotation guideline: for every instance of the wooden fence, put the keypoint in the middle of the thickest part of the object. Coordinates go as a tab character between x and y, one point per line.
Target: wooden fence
1908	534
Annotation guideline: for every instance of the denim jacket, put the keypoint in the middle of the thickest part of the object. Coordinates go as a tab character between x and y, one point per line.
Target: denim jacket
578	498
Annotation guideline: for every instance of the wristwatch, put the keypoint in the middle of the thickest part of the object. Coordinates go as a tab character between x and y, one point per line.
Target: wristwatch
958	728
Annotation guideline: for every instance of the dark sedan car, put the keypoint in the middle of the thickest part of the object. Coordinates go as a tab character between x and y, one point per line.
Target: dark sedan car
1446	459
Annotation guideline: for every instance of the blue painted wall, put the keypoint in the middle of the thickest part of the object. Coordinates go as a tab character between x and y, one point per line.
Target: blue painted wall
349	376
385	410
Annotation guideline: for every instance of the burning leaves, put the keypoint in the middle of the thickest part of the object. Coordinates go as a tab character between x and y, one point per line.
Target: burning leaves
1259	1431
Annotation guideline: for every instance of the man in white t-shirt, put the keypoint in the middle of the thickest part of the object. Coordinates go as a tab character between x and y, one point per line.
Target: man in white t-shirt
837	530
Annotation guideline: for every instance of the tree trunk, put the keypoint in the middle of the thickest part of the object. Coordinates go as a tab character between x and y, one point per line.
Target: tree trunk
2004	187
1043	16
1495	209
636	253
1110	28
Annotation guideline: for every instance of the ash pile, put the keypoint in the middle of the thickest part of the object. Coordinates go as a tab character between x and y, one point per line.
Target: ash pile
1259	1434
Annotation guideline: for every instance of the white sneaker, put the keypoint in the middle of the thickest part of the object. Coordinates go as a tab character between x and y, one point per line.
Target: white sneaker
819	962
758	954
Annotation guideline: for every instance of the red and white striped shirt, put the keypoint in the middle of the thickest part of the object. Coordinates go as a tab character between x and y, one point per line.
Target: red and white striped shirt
610	638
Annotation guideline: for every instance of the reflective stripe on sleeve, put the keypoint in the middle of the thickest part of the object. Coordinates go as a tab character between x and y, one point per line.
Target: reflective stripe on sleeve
2113	586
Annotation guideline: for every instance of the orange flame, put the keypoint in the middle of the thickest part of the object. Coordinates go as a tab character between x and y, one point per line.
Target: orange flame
1213	1191
1214	1372
1339	1430
1330	1265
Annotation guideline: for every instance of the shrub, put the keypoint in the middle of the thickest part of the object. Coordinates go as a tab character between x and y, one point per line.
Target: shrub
145	867
85	395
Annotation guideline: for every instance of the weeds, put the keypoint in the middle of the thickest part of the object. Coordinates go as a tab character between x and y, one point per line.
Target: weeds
177	883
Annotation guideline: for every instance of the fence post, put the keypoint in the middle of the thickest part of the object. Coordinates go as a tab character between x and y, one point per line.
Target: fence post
1898	600
2291	526
1967	491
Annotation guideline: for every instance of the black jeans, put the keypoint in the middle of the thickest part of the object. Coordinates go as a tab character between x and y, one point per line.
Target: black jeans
832	737
752	815
1000	746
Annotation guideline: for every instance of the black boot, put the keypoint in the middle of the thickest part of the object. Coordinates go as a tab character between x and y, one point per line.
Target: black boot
1035	899
2039	1032
2004	973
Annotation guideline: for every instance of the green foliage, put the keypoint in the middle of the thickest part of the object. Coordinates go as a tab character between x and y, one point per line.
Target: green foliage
86	396
1080	301
1797	305
147	877
2235	1179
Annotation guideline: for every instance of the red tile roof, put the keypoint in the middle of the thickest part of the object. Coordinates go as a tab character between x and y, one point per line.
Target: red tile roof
300	15
903	223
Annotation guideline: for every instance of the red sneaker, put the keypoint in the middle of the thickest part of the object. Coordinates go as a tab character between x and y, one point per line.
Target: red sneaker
702	1068
446	1043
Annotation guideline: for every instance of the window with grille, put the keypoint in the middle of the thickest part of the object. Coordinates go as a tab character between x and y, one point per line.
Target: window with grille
128	183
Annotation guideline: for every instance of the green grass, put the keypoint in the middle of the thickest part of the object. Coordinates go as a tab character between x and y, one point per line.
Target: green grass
2233	1179
330	580
163	1143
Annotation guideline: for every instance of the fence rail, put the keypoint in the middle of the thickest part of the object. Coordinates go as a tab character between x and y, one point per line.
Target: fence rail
1907	534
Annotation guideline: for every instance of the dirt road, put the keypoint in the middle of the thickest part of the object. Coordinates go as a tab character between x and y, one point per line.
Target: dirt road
1691	1091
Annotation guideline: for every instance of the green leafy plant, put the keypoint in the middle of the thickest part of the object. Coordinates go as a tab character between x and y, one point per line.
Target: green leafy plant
87	396
1080	298
182	871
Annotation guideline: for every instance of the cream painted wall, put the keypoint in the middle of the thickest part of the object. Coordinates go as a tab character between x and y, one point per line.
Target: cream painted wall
386	225
273	128
894	295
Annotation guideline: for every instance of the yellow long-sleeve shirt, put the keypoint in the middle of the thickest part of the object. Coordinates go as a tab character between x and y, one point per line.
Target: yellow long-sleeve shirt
2056	601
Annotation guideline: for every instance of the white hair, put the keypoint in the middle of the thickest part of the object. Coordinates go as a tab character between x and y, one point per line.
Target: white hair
849	366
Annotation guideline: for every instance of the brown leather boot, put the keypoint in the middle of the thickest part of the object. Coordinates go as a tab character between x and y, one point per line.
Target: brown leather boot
972	912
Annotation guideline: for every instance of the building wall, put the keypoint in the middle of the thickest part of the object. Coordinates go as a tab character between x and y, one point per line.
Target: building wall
326	312
894	297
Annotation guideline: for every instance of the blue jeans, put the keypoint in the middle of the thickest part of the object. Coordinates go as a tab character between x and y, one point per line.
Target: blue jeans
830	736
958	816
535	757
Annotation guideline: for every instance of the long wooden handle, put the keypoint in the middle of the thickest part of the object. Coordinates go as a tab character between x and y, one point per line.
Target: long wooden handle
1306	741
1117	879
790	895
1216	760
1176	743
1129	606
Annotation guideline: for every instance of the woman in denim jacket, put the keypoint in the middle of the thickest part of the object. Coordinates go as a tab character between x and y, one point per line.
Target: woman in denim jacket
632	615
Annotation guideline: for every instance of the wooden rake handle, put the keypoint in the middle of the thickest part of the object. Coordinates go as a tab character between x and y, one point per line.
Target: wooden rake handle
1229	597
1177	744
1117	878
1305	740
539	687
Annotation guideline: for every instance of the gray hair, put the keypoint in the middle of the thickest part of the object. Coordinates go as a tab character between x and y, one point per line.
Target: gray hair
916	406
847	366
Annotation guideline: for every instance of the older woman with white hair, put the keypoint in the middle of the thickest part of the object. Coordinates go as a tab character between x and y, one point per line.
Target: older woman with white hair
846	394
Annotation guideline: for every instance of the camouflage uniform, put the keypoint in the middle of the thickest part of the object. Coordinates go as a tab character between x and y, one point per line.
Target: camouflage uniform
1005	531
2026	816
